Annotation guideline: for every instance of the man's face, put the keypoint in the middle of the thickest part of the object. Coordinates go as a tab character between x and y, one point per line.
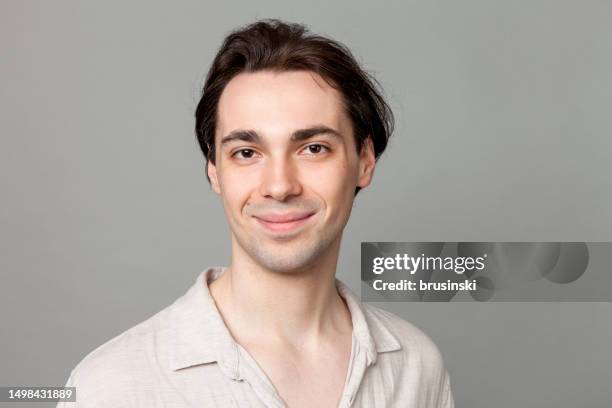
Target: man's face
286	167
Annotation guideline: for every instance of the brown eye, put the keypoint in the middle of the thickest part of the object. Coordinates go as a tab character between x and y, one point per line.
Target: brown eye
316	149
244	153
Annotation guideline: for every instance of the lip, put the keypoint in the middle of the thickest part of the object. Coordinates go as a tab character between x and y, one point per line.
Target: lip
283	222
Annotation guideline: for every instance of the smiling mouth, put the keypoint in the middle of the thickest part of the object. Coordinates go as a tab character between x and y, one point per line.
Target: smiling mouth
283	223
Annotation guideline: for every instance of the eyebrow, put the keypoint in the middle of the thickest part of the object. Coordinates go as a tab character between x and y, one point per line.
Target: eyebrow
249	135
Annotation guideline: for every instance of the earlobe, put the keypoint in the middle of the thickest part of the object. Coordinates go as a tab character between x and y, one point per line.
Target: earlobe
212	176
367	162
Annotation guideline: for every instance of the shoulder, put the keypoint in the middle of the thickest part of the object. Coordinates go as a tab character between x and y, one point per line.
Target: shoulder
418	359
415	344
112	373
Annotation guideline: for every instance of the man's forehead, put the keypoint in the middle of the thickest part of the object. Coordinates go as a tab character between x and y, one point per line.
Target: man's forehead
279	102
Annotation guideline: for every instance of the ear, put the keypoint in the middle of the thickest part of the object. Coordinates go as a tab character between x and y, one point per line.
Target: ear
367	162
212	176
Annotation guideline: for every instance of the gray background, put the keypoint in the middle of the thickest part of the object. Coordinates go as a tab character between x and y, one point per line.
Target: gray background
503	112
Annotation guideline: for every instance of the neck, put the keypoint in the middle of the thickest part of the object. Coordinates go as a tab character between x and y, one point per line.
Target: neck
295	308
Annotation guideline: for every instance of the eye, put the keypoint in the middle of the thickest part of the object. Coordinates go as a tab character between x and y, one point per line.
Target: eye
244	154
316	149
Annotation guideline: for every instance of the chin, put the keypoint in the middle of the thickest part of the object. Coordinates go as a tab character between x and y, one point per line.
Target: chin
287	262
289	257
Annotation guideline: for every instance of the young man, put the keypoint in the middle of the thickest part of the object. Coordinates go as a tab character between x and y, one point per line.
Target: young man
291	128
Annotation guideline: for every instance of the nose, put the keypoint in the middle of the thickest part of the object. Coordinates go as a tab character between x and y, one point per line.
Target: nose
280	179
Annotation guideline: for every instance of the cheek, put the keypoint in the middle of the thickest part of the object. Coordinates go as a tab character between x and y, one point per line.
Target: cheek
334	182
236	188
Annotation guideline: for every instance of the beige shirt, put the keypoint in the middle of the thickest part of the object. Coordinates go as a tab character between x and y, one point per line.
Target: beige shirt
184	356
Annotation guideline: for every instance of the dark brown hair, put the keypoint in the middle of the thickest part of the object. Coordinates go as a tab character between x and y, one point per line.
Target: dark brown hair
279	46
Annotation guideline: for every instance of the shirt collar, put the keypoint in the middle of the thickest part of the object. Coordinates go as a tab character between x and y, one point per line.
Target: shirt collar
368	328
198	334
